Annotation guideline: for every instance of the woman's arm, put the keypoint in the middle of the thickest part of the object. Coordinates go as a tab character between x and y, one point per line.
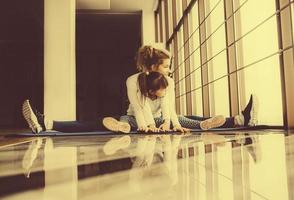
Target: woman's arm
140	107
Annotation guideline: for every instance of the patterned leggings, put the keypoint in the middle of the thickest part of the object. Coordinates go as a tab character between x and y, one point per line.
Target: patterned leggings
184	121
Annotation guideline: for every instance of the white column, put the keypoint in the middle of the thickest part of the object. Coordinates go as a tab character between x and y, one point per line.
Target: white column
148	26
59	59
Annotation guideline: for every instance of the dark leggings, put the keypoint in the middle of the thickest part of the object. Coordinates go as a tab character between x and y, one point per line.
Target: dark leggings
78	126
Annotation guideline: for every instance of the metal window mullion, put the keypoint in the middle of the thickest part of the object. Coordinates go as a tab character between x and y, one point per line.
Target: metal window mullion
286	58
166	20
203	58
156	26
176	59
231	57
160	22
187	63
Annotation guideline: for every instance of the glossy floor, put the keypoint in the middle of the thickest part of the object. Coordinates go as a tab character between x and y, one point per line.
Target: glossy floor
239	165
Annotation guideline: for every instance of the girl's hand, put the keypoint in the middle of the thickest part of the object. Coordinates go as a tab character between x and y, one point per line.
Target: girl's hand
165	127
153	128
181	129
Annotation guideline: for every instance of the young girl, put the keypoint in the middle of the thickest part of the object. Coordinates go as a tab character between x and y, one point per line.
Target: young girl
150	98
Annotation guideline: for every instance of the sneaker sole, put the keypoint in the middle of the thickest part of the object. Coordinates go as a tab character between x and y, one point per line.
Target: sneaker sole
213	122
116	126
115	144
254	111
27	114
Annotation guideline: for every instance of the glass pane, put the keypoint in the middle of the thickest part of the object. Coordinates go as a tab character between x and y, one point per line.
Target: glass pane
256	16
197	107
183	105
219	91
263	79
170	17
212	4
179	10
163	22
196	71
292	13
255	46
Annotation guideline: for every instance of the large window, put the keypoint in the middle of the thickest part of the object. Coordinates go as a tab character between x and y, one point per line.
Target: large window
216	57
257	58
226	50
195	64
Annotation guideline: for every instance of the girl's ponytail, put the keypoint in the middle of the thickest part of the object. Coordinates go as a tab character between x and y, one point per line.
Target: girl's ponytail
142	79
151	81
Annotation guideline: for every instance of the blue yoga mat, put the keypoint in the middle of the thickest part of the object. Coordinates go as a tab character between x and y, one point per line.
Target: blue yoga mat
195	131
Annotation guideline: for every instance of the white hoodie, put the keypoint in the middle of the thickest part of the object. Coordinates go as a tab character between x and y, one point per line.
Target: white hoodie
145	109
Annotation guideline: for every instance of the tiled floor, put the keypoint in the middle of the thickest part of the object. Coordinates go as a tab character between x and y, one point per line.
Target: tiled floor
238	165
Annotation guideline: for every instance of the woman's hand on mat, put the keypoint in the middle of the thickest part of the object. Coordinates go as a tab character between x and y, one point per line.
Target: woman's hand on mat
143	129
181	129
165	127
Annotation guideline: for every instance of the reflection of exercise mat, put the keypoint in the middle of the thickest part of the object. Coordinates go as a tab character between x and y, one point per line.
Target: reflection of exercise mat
195	131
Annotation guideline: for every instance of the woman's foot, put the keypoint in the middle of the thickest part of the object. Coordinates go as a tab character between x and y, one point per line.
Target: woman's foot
249	116
34	119
114	125
213	122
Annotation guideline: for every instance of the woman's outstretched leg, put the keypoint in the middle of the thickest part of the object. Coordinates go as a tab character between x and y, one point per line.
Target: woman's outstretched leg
248	117
38	122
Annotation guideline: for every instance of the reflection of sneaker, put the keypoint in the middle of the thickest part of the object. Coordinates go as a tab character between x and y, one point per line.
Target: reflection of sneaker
213	122
30	156
34	119
114	125
115	144
254	149
251	111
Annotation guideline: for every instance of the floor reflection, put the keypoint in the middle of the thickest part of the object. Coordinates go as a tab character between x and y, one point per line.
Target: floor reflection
205	166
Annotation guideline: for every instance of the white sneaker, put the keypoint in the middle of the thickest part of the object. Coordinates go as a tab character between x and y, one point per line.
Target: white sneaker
249	116
113	145
114	125
213	122
30	117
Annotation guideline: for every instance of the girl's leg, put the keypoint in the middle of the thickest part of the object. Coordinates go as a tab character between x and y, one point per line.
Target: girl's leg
189	123
132	121
230	121
158	121
210	123
198	118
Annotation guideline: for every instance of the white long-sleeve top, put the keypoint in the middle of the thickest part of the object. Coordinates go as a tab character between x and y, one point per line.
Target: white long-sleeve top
144	109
